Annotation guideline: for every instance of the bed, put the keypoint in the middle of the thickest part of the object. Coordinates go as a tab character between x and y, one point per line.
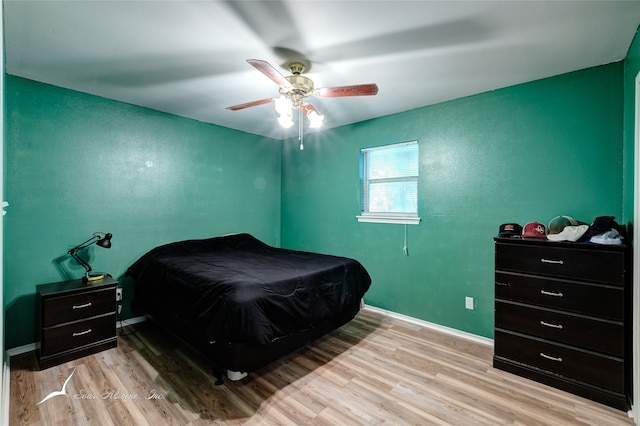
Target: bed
244	303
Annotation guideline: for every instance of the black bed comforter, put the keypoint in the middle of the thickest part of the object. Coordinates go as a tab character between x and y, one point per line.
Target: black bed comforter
236	288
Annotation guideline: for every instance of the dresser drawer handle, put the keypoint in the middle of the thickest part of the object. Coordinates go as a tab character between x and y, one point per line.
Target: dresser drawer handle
555	262
86	305
549	293
82	333
547	324
552	358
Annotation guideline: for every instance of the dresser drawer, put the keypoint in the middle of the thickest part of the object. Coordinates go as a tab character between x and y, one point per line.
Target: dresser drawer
72	335
602	371
577	330
605	301
606	266
66	308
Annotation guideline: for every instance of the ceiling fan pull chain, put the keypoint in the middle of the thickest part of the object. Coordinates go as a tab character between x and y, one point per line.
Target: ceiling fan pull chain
300	133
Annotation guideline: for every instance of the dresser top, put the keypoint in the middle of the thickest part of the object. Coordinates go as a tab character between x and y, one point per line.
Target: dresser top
562	244
73	286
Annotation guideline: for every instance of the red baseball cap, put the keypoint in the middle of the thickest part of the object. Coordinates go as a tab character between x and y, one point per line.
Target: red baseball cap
534	230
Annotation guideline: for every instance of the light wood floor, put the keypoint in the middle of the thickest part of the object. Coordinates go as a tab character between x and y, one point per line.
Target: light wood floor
373	370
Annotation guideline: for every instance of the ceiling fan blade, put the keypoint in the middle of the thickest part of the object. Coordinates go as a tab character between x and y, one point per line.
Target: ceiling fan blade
356	90
250	104
267	69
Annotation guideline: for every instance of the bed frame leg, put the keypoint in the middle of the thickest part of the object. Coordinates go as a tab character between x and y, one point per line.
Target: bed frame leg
218	372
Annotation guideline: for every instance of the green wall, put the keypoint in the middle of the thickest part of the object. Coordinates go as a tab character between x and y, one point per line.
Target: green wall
631	70
77	164
524	153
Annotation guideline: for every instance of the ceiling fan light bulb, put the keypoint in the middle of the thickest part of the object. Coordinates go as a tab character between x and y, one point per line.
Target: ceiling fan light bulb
285	121
315	119
284	106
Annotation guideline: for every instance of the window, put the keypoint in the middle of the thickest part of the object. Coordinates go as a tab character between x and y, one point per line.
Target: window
389	183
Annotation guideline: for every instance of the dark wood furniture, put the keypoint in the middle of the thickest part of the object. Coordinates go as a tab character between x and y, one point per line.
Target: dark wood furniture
562	316
74	319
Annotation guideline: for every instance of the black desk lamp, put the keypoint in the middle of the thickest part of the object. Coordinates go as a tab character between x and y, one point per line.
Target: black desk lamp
100	238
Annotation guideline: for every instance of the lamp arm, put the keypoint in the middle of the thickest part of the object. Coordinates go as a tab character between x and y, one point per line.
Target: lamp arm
85	244
102	239
73	254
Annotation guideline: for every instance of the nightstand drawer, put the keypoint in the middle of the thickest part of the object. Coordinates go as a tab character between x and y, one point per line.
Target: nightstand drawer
61	309
577	264
602	371
605	301
577	330
76	334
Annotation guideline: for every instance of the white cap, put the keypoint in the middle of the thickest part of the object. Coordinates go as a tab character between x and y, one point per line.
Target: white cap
609	238
569	233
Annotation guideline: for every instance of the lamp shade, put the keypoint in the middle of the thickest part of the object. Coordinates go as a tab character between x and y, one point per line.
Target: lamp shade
105	241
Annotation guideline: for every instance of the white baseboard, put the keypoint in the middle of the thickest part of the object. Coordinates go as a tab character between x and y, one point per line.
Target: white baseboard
422	323
20	350
131	321
463	334
6	400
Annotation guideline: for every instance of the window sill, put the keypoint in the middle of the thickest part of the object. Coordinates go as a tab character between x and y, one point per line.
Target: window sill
383	218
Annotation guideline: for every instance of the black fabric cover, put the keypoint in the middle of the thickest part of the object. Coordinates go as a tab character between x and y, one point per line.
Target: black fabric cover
236	288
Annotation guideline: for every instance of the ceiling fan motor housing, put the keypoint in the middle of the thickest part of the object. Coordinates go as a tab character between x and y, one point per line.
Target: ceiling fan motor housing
300	88
296	68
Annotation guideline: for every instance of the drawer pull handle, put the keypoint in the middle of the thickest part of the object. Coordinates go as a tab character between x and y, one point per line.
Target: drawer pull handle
552	358
547	324
549	293
82	333
503	284
86	305
555	262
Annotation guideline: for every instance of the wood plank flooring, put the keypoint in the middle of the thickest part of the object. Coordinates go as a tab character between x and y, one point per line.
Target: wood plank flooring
373	370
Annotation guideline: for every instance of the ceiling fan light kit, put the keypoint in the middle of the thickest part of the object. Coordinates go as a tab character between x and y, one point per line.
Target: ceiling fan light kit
294	89
315	119
284	108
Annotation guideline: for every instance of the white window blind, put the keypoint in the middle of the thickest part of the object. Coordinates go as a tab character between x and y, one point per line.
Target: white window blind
389	183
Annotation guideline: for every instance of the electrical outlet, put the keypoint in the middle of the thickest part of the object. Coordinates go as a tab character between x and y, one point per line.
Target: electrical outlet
119	295
468	303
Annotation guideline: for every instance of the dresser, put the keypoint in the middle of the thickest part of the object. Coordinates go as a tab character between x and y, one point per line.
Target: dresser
563	316
74	319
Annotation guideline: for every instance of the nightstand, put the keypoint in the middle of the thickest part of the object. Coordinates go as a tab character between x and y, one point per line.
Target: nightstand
74	319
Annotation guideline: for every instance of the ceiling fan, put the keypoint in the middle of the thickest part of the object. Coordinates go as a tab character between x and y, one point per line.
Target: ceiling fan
294	89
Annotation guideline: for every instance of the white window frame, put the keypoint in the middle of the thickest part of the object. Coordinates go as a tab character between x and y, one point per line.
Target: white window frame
385	217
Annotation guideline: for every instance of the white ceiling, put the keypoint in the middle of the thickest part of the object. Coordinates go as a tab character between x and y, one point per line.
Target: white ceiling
188	57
